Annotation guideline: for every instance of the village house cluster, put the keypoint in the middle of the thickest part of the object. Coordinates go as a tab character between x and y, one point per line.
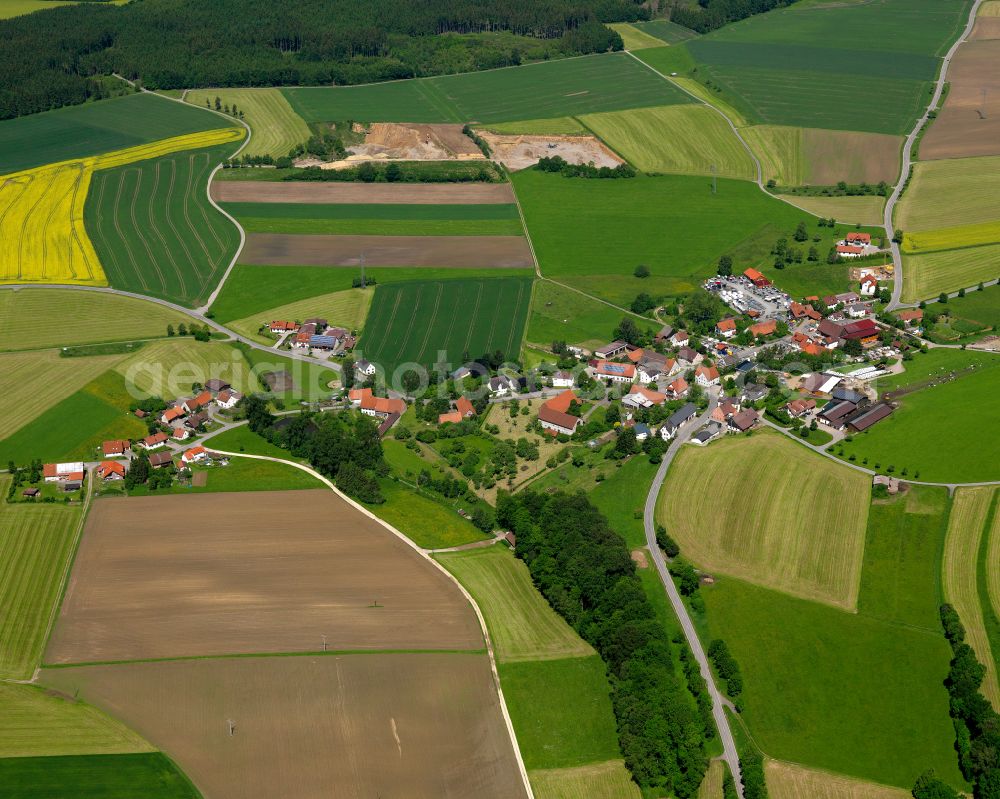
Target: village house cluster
314	335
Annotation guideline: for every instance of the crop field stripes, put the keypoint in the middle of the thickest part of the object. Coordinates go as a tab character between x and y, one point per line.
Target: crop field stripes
969	516
427	332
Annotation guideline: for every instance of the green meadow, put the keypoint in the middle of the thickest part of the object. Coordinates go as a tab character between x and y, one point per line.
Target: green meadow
561	314
559	88
93	128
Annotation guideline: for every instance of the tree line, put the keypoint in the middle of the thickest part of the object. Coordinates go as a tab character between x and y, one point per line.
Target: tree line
584	569
708	15
55	57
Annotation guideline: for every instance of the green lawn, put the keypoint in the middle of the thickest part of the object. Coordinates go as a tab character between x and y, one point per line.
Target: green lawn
311	380
805	280
901	576
835	690
622	496
93	128
425	521
251	289
982	307
150	776
935	363
242	474
243	439
76	426
561	711
943	432
522	624
561	314
548	89
672	224
417	321
36	544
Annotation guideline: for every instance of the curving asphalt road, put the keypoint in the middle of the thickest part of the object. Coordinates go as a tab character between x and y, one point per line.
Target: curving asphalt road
719	703
890	205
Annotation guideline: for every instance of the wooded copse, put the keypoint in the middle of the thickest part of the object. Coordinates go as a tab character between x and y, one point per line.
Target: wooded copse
585	571
51	58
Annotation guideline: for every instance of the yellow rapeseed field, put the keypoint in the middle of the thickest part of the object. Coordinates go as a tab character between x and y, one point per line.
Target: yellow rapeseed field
42	235
952	238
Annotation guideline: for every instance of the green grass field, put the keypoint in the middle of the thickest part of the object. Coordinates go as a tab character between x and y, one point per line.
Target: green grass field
561	711
981	307
39	318
415	322
936	364
35	722
565	126
633	38
765	523
805	280
153	227
926	276
561	314
94	128
834	690
937	432
37	543
151	776
275	127
949	193
622	497
522	625
169	368
425	521
253	289
901	577
378	220
242	474
849	210
680	139
608	227
311	381
557	88
348	308
666	31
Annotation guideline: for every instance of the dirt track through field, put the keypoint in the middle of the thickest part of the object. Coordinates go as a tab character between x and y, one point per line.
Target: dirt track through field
314	727
259	191
282	249
180	576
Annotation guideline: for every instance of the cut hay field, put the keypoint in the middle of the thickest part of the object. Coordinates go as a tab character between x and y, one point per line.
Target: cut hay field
39	318
559	88
251	289
809	696
812	157
426	322
711	786
849	210
81	131
150	775
561	314
36	722
780	516
949	193
392	720
348	309
521	623
969	516
154	229
32	382
36	543
682	139
170	367
929	274
378	219
790	781
633	38
130	596
581	228
274	126
937	433
608	780
666	31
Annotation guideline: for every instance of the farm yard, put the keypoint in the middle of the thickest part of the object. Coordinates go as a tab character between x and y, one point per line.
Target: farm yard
154	229
417	321
274	126
556	88
130	572
804	539
398	718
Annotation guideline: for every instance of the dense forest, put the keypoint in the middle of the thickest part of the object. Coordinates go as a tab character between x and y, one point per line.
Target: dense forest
50	58
708	15
585	571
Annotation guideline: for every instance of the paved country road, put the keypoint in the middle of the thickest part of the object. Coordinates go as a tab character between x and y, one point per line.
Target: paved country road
904	174
729	753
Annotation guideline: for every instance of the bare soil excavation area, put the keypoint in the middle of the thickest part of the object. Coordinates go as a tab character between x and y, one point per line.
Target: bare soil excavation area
214	574
969	123
521	151
313	727
260	191
284	249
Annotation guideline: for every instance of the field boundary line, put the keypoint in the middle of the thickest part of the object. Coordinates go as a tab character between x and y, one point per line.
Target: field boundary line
426	556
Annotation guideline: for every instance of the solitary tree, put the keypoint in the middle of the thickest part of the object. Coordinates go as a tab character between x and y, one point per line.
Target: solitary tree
725	267
641	271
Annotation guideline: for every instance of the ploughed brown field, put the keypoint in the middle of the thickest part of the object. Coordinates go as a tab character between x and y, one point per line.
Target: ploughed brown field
283	249
314	727
966	126
211	574
254	191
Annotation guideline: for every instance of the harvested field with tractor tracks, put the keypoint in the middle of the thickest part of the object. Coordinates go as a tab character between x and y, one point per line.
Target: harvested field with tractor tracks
303	191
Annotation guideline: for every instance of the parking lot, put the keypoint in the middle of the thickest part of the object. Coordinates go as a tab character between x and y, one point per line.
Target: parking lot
741	295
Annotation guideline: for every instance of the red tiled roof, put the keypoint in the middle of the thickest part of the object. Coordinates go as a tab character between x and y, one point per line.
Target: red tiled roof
653	396
194	452
863	237
709	372
752	274
562	401
155	438
764	328
110	467
615	369
452	416
116	447
173	413
850	249
553	416
726	324
635	355
679	386
369	402
464	407
49	470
